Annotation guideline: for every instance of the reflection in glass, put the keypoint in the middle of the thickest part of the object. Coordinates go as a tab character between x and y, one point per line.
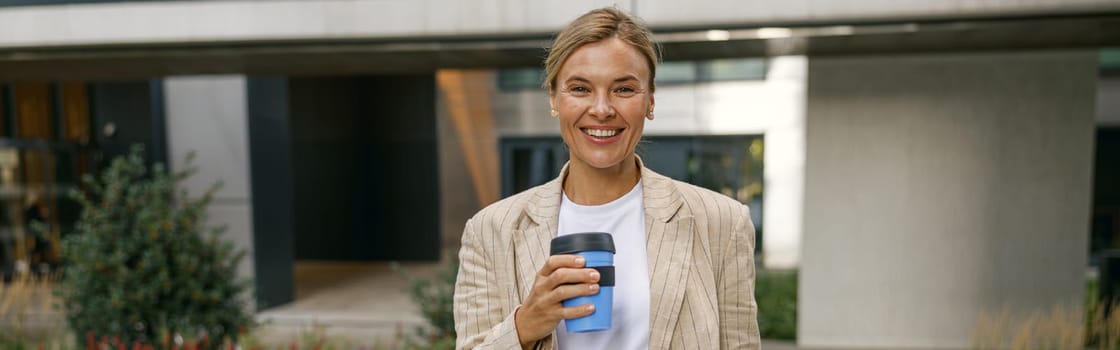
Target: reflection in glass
44	151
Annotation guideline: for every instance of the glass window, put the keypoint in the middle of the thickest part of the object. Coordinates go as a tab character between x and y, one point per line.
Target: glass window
75	112
520	79
678	72
43	154
33	110
1109	59
673	72
734	69
530	161
4	111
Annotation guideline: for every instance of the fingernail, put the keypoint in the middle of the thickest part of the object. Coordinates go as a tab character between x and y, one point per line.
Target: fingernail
591	307
594	275
579	260
594	286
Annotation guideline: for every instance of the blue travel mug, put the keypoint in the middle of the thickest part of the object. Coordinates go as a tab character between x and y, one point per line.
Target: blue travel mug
597	249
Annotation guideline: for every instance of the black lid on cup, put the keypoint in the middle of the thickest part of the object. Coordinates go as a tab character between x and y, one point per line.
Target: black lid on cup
582	242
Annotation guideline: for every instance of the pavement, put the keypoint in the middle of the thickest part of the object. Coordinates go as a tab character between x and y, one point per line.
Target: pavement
354	301
351	303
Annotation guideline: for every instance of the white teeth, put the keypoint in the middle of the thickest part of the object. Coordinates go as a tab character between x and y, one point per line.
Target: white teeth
601	132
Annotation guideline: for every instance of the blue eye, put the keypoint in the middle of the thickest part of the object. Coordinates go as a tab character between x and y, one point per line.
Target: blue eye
579	91
625	91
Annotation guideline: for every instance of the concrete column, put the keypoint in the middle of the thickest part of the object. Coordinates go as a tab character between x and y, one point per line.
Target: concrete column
208	115
939	187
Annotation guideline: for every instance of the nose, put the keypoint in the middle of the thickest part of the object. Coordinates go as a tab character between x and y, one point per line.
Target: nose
601	107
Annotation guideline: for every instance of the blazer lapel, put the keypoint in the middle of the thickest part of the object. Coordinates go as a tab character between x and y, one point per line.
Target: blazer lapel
532	239
531	243
669	251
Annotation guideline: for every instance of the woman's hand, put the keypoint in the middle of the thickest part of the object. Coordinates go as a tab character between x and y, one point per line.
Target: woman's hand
562	277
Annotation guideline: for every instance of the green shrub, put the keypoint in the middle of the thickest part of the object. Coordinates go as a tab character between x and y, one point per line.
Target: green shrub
142	268
436	298
776	295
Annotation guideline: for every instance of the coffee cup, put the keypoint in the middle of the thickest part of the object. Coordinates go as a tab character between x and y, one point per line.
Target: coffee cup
597	249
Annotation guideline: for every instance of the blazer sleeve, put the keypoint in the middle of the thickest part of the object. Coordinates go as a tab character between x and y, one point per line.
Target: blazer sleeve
738	313
479	319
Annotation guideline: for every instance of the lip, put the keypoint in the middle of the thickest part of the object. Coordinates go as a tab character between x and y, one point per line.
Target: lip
602	141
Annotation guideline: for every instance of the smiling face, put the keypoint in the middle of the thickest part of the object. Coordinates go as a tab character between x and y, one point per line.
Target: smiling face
602	94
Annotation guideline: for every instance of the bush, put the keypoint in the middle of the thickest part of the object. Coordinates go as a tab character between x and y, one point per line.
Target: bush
776	294
142	268
436	298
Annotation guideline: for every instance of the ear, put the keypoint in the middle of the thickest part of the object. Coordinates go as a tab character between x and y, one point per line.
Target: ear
551	99
649	112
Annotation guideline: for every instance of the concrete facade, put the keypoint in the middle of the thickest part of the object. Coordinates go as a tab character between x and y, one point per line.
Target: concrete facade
246	20
691	13
207	115
939	187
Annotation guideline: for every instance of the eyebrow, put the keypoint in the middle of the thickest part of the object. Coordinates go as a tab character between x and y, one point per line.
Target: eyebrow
627	77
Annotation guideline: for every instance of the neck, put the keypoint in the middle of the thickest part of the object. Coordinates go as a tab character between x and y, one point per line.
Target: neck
586	185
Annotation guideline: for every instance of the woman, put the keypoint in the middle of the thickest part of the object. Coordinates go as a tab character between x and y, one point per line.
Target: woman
684	265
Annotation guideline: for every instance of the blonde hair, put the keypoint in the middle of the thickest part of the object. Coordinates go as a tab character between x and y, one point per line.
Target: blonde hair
595	26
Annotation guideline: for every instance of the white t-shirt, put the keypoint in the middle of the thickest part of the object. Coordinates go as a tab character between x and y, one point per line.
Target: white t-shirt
624	219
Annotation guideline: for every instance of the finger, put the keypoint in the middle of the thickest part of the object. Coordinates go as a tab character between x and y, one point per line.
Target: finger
577	311
564	276
569	291
560	261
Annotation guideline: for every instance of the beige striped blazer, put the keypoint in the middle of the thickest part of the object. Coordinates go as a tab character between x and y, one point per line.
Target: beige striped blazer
700	248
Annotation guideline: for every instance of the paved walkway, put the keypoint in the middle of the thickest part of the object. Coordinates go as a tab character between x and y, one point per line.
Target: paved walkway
361	302
352	303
